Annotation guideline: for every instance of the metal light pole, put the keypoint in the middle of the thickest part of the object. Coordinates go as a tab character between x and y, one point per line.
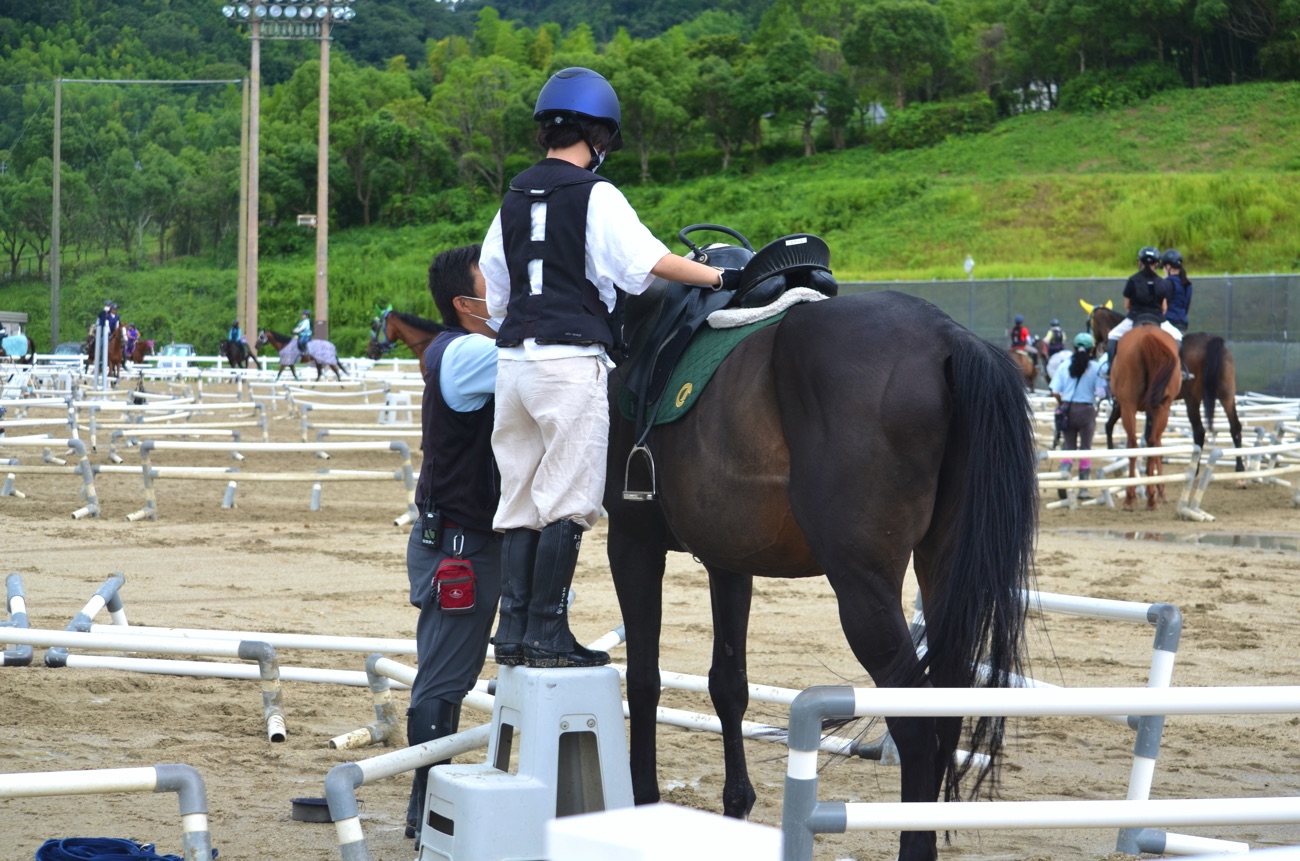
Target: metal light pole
293	20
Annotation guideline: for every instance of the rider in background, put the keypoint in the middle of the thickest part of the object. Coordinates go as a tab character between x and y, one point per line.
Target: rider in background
1019	334
303	331
108	317
1180	288
1146	294
130	335
234	334
1054	340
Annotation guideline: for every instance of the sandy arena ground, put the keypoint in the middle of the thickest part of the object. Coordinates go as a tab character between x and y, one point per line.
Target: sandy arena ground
271	564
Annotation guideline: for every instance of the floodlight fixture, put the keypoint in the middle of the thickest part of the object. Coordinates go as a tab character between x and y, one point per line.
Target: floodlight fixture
291	11
228	11
243	10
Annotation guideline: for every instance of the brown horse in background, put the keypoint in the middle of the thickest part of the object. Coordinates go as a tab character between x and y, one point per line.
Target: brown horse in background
1146	378
395	327
1214	377
1027	364
141	349
116	352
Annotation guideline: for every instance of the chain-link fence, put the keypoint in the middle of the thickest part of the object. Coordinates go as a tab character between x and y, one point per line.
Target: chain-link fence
1251	312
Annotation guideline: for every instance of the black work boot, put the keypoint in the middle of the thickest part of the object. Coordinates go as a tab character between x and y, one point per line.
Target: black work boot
548	642
1084	475
518	558
427	720
1111	345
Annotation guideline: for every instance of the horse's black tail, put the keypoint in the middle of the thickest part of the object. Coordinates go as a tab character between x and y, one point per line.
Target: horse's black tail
976	612
1211	377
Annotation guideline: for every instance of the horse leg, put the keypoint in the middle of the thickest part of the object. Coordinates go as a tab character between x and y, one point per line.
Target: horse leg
730	594
1234	427
637	552
1110	424
1130	432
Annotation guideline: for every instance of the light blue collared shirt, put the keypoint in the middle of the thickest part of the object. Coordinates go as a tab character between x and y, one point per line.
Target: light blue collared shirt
468	377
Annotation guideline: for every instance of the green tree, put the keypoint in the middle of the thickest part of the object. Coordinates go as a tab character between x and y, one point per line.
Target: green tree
903	39
482	108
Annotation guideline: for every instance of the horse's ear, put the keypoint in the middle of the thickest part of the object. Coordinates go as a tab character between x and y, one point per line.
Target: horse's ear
1085	306
1110	304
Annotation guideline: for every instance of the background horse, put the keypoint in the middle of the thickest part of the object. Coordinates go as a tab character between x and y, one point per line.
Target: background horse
116	352
394	327
857	432
1027	364
239	354
142	348
1146	378
20	347
1214	377
320	353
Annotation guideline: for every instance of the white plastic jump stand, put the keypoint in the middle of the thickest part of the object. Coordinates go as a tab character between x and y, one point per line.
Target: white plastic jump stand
572	759
659	832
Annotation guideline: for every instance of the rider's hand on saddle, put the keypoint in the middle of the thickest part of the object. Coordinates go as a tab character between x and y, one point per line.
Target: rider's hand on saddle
729	279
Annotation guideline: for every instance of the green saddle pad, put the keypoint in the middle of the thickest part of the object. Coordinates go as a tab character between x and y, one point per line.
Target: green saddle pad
702	357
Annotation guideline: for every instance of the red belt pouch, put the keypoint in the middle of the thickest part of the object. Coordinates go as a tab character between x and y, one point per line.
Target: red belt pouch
453	586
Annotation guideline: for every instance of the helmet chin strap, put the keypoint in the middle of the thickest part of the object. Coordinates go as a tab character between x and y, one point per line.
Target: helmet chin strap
597	158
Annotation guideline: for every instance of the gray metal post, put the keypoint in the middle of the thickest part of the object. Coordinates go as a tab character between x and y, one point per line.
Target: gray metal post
16	607
802	815
57	656
187	783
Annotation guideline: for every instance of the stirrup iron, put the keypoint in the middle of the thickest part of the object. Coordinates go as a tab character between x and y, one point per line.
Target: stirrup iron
639	495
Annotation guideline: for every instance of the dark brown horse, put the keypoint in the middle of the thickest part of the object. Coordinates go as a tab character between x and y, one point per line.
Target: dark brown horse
856	433
394	327
1213	371
1146	378
239	354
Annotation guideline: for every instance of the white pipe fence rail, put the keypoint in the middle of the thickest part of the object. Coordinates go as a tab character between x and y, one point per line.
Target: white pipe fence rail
805	816
184	780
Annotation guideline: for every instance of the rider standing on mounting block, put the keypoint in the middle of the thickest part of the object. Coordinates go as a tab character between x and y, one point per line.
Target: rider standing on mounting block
563	243
1146	294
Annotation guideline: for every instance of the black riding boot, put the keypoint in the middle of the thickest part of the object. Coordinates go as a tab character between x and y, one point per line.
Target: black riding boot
518	558
1111	345
549	642
426	721
1187	375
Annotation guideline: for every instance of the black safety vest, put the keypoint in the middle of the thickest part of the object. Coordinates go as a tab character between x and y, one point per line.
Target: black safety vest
569	309
1146	293
459	472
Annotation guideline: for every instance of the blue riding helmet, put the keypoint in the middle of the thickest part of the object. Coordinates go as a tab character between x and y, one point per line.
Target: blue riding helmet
1084	341
1149	254
1055	322
1020	318
1172	257
580	93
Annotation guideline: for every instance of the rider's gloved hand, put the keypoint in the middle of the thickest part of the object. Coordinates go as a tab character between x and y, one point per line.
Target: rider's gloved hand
730	279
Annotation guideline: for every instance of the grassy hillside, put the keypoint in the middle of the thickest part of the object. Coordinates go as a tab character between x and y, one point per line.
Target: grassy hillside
1215	173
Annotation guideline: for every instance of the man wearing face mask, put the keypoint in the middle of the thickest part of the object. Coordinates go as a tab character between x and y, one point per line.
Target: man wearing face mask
563	243
453	557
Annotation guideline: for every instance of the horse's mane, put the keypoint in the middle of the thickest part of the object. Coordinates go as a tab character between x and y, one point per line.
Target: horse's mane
278	336
431	326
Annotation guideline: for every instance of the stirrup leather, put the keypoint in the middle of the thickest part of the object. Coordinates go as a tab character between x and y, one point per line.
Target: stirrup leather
640	495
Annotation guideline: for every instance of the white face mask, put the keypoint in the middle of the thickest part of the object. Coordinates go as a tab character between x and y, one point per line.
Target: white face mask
494	323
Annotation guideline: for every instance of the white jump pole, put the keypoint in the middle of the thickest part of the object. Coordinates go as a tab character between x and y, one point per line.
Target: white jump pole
263	653
181	779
